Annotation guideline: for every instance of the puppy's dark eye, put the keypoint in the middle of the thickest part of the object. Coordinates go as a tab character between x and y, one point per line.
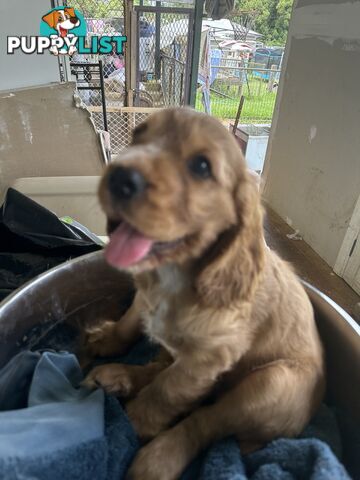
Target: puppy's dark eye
200	166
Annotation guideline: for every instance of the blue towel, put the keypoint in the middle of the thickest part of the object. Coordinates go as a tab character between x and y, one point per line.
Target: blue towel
66	432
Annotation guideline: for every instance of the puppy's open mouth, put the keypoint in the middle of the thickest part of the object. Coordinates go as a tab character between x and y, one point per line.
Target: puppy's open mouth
63	32
127	246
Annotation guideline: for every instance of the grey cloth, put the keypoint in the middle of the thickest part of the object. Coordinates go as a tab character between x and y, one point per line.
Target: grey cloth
58	416
67	433
15	380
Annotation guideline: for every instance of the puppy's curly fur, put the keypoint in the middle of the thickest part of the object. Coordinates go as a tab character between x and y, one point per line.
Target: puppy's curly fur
241	354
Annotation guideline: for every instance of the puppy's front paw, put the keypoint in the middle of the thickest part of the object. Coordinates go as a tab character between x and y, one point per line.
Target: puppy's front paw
145	417
103	341
113	378
161	459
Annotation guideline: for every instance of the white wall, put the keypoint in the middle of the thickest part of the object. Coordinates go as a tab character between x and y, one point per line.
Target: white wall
312	169
22	17
42	134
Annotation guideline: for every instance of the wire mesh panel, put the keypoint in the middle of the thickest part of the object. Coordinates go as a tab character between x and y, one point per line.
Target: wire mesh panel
242	22
102	17
166	3
172	81
164	51
122	122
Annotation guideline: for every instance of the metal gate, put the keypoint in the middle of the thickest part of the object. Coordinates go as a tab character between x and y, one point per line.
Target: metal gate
164	45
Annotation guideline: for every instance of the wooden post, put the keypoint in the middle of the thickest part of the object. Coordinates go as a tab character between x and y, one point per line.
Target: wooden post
128	6
198	15
130	51
134	52
157	43
238	115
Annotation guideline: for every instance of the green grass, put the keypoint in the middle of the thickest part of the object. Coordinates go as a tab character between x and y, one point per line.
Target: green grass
258	106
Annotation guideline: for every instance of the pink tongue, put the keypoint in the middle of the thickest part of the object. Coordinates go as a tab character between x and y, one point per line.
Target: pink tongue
126	246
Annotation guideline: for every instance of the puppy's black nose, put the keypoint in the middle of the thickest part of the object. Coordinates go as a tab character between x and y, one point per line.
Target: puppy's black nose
74	20
125	183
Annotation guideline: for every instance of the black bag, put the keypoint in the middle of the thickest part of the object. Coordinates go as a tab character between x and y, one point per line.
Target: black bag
33	239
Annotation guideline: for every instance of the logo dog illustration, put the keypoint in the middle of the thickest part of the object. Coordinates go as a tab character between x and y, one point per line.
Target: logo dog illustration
63	21
63	31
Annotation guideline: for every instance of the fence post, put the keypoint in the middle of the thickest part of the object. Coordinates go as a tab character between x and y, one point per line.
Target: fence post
103	99
272	77
238	114
157	43
129	49
195	54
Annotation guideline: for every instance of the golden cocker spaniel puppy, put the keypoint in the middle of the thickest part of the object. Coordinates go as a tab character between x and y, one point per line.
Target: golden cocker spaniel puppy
240	351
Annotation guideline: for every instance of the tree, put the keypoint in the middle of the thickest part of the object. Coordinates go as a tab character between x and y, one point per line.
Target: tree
272	19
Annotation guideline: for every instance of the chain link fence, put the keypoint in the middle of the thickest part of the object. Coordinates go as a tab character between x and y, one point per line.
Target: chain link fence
125	119
231	81
173	73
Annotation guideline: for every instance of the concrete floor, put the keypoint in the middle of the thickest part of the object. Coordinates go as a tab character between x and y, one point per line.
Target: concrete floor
308	264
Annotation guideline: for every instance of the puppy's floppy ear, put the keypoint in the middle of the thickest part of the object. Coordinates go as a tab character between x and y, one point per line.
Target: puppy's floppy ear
231	268
51	18
70	11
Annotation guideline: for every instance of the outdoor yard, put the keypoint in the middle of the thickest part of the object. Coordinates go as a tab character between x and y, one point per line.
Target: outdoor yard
258	106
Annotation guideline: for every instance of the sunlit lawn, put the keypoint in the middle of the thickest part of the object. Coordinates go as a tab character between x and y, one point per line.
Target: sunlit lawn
258	106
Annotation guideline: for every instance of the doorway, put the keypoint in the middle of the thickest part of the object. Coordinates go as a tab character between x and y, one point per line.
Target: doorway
348	262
